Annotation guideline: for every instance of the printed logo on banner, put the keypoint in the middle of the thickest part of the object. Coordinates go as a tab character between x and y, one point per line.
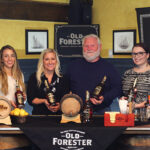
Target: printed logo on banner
72	140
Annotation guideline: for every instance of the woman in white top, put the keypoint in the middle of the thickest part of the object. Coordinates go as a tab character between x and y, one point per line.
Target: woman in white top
9	73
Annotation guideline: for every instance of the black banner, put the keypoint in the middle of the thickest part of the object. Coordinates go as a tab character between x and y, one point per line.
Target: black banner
48	133
68	38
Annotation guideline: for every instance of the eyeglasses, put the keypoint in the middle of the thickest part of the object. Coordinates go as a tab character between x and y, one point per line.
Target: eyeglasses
140	54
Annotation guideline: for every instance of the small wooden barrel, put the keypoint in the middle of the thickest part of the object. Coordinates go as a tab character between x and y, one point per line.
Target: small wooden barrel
71	105
5	107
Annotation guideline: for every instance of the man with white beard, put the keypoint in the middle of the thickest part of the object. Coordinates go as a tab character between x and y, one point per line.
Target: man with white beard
87	72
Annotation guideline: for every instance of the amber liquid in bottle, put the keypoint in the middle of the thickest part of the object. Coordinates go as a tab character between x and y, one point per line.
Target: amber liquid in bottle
132	96
49	94
19	96
98	89
87	111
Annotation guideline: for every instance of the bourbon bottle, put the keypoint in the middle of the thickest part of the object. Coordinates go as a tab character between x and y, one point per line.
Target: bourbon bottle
145	111
87	111
19	96
132	96
98	89
147	106
49	94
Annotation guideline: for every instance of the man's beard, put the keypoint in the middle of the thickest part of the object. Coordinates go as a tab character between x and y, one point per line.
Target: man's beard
90	57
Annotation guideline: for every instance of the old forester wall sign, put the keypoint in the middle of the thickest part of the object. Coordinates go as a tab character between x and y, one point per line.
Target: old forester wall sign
68	38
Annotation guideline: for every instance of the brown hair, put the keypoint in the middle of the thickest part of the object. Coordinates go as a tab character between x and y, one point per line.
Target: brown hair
16	72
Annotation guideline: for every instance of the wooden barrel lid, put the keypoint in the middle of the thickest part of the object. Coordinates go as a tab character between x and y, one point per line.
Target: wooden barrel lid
5	108
71	105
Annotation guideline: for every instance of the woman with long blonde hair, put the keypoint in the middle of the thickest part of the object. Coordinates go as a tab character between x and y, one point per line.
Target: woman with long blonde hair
9	73
48	69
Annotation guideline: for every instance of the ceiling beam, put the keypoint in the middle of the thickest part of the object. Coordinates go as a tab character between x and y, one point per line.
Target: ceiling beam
29	10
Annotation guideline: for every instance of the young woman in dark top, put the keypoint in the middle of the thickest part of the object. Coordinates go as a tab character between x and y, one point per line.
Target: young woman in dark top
141	71
48	69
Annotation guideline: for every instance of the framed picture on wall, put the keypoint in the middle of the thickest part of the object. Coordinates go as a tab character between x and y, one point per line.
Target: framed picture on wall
143	20
123	41
36	41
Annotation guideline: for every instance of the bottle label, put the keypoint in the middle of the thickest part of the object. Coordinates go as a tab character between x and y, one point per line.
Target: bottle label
50	97
97	90
20	99
86	113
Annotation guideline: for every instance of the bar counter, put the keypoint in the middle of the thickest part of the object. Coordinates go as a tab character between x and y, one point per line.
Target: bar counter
110	138
144	129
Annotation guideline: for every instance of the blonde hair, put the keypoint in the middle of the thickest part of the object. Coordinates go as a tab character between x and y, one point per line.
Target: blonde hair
40	67
16	72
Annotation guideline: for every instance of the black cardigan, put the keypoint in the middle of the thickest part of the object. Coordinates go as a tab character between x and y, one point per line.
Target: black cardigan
33	91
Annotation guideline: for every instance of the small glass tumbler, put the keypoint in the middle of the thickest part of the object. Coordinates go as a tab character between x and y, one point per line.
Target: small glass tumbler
136	112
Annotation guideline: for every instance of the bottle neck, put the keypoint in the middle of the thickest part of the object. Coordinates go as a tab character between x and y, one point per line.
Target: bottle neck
46	84
87	101
17	88
47	88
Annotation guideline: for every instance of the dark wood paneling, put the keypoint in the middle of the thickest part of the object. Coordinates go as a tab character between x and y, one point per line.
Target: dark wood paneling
27	10
28	66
